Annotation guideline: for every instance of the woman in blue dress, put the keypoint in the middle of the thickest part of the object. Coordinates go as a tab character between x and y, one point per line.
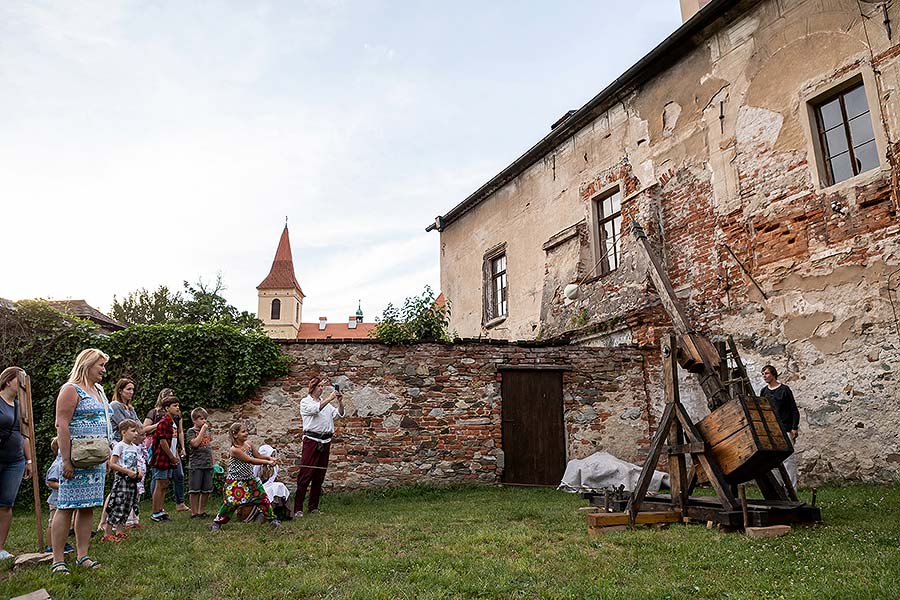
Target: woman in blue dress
82	412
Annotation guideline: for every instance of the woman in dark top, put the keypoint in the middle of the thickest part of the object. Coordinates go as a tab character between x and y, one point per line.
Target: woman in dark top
782	399
15	454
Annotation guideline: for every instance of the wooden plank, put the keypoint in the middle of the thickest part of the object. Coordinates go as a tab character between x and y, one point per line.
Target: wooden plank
691	448
637	496
767	532
610	529
642	518
678	481
40	594
660	279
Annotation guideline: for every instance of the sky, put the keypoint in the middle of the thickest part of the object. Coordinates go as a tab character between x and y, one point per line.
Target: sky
145	143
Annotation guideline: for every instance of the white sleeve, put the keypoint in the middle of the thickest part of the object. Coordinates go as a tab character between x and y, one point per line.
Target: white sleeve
118	449
309	407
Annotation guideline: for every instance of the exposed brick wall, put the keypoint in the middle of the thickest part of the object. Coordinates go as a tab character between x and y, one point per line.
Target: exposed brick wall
431	413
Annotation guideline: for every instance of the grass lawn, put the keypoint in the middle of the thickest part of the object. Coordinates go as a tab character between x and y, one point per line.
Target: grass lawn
484	542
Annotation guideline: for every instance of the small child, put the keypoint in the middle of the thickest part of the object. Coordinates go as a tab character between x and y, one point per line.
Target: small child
52	481
123	497
241	487
199	451
134	520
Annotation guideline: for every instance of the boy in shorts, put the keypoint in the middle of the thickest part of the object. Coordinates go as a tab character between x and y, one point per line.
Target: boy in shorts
199	451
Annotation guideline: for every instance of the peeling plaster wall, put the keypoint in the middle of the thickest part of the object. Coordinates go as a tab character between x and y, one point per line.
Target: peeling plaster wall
714	156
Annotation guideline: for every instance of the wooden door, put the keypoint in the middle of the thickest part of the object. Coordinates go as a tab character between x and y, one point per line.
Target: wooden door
533	434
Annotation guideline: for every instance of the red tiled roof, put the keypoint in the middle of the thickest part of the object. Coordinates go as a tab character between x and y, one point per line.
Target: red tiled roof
281	275
335	331
440	300
82	309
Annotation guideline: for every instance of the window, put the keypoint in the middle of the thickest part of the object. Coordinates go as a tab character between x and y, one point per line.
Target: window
845	134
276	309
608	215
499	307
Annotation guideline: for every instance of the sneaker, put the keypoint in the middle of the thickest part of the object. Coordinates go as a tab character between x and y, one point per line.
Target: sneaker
315	511
298	514
159	517
68	548
4	555
216	527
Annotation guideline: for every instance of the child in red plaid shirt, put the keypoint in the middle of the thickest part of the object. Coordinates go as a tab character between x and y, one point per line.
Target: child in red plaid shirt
165	455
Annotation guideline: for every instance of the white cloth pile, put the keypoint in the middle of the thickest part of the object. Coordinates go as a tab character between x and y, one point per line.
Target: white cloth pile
603	471
274	489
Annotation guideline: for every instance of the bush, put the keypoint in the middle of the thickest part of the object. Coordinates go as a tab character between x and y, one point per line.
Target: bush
420	320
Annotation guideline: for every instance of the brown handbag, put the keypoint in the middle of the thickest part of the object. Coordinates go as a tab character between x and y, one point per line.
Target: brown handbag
90	452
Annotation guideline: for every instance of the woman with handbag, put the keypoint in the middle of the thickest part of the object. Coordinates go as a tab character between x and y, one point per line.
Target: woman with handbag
15	454
83	431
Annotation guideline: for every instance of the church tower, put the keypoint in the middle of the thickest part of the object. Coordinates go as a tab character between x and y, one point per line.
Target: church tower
280	296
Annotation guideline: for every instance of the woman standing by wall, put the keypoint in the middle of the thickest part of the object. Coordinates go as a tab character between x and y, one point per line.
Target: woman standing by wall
82	423
15	454
121	406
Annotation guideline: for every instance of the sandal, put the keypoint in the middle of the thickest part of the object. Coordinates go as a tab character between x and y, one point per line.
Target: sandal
87	562
59	568
121	535
109	538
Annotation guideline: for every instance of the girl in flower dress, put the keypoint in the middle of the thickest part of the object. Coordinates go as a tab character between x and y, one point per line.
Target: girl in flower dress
241	486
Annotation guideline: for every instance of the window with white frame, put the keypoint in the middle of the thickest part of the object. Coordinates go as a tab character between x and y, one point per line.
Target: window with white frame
608	216
846	137
499	306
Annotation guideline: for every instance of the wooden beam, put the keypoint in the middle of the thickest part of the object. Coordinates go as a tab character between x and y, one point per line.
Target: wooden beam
642	518
678	481
692	448
660	280
637	496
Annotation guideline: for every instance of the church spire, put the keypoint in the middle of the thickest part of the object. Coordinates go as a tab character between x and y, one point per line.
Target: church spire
281	276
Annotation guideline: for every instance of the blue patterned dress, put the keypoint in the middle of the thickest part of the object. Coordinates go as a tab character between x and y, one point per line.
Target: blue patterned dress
91	420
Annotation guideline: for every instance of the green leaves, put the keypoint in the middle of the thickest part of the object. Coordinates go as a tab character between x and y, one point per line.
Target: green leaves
213	365
420	320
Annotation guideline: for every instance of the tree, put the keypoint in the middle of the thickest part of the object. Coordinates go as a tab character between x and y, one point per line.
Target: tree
420	320
200	303
207	305
143	307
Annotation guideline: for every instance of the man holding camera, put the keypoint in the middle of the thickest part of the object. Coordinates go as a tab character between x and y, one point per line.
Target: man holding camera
318	427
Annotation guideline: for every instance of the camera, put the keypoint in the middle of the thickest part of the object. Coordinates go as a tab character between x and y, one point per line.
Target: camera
336	387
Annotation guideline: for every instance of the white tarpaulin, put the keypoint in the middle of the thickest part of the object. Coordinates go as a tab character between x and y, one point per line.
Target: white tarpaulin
602	471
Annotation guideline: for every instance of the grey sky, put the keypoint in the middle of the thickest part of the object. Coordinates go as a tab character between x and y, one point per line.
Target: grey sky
144	143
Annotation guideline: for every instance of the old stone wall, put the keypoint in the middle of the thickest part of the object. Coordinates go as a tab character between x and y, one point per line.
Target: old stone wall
431	413
716	157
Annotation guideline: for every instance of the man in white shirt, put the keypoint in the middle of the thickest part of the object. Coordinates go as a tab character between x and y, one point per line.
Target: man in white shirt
318	427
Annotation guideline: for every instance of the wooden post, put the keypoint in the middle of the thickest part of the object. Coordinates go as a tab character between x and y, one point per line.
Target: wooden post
744	505
678	481
28	417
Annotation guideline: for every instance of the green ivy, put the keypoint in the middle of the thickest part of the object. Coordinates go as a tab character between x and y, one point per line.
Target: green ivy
209	365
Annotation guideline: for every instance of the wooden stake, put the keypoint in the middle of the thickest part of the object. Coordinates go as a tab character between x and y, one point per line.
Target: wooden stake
28	416
743	492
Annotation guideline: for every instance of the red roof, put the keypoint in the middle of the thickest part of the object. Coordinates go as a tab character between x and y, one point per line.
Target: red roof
440	300
281	275
334	331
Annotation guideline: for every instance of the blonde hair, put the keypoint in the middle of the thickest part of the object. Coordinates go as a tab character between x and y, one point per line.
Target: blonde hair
10	373
54	445
163	394
85	360
234	430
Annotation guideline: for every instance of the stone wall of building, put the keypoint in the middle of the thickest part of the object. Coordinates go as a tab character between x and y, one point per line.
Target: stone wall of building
431	413
717	157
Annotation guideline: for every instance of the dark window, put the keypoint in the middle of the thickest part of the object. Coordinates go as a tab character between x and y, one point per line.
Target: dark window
609	231
276	309
499	307
846	135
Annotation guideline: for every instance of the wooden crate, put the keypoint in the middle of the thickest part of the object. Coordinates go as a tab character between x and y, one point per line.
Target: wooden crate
745	438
